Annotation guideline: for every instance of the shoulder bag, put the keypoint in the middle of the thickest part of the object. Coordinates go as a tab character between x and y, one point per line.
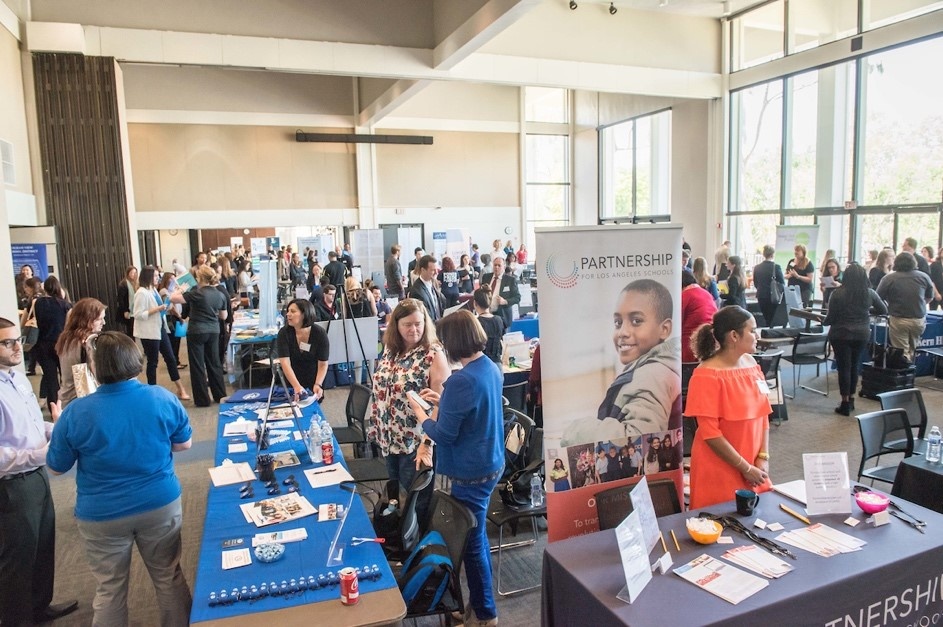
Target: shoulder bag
83	378
30	329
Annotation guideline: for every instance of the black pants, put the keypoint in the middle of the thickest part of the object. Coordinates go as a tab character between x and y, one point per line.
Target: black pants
27	547
203	351
847	358
768	309
153	348
48	360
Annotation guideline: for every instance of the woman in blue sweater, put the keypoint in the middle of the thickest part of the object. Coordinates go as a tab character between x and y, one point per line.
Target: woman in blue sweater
467	424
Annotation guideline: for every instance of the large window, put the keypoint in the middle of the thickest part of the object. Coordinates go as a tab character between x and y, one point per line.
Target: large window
758	36
868	176
546	161
635	176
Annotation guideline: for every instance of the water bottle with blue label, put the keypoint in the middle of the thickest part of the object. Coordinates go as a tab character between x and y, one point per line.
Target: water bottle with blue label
933	445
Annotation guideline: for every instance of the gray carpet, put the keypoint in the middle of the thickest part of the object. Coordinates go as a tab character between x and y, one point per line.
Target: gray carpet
812	427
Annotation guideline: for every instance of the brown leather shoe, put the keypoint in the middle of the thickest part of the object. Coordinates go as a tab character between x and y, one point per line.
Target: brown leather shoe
55	610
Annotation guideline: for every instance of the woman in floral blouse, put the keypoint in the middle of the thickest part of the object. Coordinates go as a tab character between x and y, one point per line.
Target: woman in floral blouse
412	360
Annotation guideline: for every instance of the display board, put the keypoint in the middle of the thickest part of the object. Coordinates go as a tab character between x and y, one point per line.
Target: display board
610	302
367	248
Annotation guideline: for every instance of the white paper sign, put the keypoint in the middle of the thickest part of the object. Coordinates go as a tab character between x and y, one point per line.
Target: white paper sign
827	486
642	504
638	572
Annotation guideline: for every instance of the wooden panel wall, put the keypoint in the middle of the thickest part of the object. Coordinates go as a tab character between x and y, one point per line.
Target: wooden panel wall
79	136
214	238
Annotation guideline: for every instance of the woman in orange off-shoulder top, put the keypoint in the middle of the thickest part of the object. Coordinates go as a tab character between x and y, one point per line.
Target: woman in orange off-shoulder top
727	396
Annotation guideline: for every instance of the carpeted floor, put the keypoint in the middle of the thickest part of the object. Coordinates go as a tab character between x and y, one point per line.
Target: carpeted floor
812	427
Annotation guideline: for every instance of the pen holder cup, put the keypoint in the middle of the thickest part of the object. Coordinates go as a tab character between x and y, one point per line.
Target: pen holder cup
265	464
262	438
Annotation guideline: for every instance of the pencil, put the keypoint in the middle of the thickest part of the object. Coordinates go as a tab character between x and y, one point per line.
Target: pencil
794	513
663	545
675	538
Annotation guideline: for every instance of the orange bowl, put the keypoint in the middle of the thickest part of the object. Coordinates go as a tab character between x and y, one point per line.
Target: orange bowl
701	536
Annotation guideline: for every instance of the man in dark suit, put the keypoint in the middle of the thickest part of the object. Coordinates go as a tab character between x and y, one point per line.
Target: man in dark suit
504	291
419	252
393	274
426	287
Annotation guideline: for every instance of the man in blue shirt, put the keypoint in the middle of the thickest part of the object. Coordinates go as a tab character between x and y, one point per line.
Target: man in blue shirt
28	539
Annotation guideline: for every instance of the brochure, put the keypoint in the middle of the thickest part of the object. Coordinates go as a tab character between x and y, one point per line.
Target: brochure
228	474
277	509
729	583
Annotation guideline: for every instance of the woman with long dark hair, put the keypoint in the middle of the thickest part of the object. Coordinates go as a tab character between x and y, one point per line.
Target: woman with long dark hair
727	397
448	280
736	283
84	322
830	281
51	313
849	317
127	286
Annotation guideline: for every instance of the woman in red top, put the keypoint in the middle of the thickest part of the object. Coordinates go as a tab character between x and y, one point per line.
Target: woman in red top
697	307
727	395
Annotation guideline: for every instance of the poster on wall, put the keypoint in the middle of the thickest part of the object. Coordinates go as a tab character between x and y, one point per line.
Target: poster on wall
273	243
788	237
32	255
234	242
610	364
439	243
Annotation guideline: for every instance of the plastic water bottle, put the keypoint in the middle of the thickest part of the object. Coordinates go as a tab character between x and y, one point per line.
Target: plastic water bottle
327	433
933	446
536	491
314	441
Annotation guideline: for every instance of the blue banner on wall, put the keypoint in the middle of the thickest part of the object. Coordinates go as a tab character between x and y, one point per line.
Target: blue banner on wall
32	255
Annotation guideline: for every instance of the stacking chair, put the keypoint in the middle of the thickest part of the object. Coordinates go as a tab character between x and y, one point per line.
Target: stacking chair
614	504
454	522
500	515
769	363
358	404
808	349
911	401
515	394
876	427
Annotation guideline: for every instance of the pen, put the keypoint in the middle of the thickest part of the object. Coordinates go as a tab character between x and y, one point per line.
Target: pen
321	472
794	513
663	545
675	538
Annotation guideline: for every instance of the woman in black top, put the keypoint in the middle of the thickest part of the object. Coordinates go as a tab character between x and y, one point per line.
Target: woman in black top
493	325
448	280
303	349
736	283
799	272
848	319
126	289
881	267
205	307
466	283
50	320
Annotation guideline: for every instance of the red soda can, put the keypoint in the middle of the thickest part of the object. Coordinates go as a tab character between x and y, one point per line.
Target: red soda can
327	452
350	586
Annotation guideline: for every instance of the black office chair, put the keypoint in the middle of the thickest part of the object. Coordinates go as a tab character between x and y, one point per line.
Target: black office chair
688	424
614	504
769	363
515	395
516	461
398	547
911	401
358	405
808	349
500	514
876	427
454	522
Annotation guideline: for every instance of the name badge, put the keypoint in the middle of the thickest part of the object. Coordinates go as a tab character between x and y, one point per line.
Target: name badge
304	346
761	384
506	289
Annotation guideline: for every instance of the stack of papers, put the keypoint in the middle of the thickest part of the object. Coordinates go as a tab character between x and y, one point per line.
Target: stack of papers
228	474
730	584
327	476
239	427
821	540
759	561
277	509
281	537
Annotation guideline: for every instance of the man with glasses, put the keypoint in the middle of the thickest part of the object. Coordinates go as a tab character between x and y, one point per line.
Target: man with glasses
28	518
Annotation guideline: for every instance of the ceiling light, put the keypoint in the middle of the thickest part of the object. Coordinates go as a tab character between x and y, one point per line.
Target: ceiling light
612	9
573	5
663	3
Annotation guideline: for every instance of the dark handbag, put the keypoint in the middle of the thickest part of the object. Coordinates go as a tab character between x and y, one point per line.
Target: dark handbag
776	291
515	490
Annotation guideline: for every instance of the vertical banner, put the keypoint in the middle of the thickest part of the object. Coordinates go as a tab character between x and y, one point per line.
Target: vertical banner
788	237
610	302
439	244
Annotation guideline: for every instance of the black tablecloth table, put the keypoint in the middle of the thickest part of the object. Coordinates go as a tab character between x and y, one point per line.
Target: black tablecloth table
920	481
896	579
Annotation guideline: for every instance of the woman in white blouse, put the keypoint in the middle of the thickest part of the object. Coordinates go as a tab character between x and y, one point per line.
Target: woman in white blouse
150	326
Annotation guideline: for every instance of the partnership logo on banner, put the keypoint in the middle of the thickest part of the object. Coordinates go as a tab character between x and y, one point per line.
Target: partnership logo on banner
610	364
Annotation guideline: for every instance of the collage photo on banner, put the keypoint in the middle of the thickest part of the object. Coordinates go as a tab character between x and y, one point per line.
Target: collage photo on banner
611	370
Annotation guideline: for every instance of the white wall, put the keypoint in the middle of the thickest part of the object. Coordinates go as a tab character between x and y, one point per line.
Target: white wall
483	224
174	246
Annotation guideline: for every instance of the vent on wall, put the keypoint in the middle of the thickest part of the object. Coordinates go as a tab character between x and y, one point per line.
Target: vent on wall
6	159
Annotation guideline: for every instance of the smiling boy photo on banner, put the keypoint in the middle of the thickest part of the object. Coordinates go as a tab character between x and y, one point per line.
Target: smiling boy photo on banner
611	363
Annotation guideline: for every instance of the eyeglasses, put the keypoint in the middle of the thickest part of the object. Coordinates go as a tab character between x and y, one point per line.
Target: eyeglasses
11	344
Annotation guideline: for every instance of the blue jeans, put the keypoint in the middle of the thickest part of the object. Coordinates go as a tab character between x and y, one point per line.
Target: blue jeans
402	469
476	497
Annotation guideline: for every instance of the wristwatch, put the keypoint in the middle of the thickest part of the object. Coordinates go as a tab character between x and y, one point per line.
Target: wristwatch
428	442
763	455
